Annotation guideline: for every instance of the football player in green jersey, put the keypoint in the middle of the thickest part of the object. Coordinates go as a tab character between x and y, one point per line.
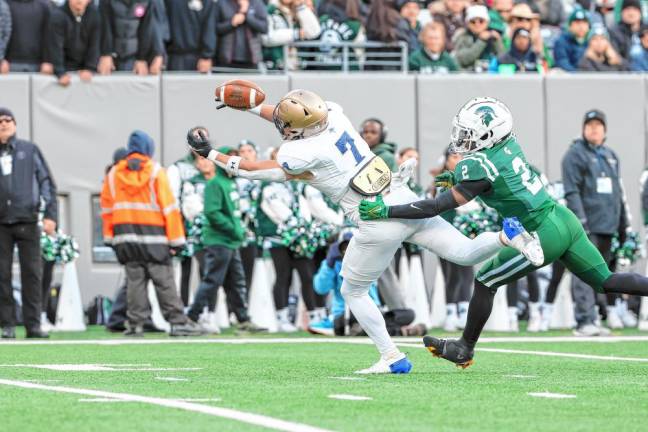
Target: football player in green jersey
495	169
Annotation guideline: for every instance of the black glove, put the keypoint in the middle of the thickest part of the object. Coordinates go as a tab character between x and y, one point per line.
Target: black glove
198	140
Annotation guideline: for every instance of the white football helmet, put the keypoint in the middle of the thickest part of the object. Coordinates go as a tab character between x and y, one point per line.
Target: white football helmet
481	123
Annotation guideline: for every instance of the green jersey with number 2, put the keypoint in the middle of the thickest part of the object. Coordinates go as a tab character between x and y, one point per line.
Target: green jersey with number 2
516	189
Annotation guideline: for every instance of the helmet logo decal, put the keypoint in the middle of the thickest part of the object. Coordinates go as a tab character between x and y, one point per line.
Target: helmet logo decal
486	113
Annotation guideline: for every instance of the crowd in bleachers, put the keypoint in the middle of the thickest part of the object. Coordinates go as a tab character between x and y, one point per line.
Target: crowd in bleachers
146	37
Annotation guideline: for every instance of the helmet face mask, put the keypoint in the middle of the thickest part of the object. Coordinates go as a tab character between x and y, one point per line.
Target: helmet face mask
300	114
480	123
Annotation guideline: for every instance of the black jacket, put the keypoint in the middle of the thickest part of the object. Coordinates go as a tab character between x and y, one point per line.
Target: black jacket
589	65
247	34
582	167
29	182
621	38
192	31
29	28
73	45
130	29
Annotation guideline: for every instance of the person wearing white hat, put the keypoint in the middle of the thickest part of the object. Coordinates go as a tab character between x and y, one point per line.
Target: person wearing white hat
476	45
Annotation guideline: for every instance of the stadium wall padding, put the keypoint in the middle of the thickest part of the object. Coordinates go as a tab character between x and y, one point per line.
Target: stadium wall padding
79	127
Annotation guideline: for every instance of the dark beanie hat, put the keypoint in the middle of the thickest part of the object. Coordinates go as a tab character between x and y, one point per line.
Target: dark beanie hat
120	154
631	3
141	142
6	112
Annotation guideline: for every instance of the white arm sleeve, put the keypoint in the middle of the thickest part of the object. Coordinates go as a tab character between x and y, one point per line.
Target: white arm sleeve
270	174
319	209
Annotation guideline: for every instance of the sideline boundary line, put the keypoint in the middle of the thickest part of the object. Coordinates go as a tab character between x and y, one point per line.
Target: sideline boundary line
227	413
317	340
547	354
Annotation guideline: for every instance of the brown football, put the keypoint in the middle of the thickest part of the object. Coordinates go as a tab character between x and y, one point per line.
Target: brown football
240	94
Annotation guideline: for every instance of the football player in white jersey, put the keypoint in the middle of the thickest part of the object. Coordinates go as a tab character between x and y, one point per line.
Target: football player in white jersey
322	148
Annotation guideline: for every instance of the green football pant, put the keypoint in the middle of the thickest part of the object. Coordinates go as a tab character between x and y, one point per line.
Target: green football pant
562	238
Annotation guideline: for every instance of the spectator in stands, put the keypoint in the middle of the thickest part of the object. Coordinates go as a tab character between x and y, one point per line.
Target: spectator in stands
452	13
250	194
385	24
601	11
25	182
145	229
475	46
594	192
500	15
328	280
239	25
222	235
639	60
432	57
572	43
374	132
26	52
131	39
192	27
73	40
340	21
410	9
552	12
288	21
600	56
519	58
625	35
618	6
5	34
523	17
179	173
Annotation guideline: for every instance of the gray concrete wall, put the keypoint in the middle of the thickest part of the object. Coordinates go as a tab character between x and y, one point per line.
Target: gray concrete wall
79	127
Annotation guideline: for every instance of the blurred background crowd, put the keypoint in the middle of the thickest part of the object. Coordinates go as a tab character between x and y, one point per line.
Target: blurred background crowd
440	36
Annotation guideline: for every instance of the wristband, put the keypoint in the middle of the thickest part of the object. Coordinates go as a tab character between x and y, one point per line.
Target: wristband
212	155
256	110
232	166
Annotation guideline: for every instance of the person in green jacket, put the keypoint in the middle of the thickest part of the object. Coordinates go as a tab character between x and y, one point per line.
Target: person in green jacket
374	132
432	57
222	236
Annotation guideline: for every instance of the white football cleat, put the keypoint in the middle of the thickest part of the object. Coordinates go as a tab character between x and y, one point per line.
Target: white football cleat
518	238
399	365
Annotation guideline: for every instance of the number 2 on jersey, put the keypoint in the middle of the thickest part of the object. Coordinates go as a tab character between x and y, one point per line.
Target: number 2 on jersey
534	185
345	143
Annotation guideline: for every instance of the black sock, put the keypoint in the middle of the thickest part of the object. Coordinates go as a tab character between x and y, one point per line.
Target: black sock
626	283
479	310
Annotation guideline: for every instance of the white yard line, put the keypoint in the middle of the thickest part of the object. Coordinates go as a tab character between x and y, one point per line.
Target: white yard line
318	340
171	379
96	368
349	397
228	413
553	395
110	400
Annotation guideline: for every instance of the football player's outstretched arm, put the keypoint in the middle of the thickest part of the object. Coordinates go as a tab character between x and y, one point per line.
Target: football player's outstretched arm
450	199
264	111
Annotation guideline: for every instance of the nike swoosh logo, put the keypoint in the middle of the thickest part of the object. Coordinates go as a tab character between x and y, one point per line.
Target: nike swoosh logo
417	208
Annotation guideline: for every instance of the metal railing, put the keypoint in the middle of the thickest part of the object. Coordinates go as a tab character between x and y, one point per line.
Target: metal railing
345	56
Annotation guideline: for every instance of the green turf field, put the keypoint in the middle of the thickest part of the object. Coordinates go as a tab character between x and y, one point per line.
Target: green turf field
293	380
